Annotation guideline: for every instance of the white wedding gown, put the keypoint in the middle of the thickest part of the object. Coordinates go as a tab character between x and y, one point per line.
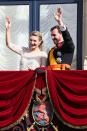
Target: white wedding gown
32	60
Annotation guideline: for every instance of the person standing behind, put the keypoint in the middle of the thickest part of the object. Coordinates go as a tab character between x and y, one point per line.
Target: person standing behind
61	55
32	57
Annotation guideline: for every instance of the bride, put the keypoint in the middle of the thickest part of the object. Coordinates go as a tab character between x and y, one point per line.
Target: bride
32	57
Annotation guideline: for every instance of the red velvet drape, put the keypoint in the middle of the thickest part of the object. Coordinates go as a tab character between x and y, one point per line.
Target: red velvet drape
15	93
67	90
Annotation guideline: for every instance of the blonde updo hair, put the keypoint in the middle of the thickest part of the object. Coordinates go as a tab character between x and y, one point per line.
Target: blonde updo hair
39	35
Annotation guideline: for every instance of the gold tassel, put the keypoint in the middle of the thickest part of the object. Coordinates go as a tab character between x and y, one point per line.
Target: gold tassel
43	129
29	128
54	127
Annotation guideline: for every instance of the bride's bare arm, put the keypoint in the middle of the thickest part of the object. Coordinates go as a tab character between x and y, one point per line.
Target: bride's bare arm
9	44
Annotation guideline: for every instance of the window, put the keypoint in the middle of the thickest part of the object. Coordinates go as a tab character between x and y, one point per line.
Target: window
27	16
72	17
19	16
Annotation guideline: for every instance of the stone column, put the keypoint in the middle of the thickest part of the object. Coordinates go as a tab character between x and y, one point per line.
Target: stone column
84	44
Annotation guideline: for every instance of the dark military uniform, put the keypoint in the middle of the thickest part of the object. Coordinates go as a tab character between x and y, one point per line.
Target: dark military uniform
61	59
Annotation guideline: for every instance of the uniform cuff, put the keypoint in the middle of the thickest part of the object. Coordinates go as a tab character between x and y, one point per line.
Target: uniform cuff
63	28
